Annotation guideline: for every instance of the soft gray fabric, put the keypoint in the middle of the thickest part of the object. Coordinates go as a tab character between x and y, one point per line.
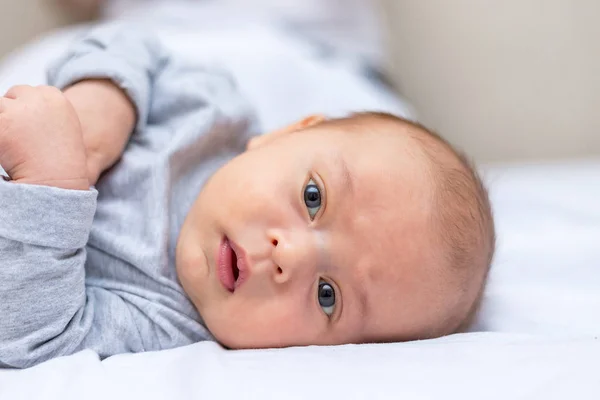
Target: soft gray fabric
95	269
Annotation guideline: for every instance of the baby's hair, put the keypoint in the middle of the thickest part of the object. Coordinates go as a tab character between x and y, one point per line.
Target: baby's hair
462	214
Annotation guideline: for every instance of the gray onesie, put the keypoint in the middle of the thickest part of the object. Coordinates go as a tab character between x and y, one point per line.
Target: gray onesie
95	269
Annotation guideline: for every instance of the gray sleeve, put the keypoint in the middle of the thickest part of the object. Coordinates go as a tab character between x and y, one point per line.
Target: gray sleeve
46	311
43	232
128	55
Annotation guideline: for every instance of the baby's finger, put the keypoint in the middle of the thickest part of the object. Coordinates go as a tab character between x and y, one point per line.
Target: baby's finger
18	91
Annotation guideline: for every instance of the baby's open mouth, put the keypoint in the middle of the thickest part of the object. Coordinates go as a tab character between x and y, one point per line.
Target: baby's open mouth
230	263
234	267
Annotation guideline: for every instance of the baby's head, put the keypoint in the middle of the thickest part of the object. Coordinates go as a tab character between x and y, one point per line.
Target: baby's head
363	229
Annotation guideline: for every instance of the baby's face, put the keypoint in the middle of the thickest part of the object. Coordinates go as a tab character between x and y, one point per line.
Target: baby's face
315	237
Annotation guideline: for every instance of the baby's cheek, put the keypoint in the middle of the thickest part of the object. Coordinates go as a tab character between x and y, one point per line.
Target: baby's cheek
271	324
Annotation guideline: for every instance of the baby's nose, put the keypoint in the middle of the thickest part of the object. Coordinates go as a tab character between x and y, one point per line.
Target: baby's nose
293	255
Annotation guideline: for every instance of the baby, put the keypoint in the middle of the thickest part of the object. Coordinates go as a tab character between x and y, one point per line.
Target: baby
368	228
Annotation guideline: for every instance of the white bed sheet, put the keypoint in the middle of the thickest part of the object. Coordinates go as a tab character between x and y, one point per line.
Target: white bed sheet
471	366
540	320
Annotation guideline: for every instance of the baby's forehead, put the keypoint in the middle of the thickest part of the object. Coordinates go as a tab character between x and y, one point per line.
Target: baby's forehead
401	270
397	273
384	221
390	182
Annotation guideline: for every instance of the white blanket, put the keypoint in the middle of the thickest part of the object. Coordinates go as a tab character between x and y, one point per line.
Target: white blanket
540	319
472	366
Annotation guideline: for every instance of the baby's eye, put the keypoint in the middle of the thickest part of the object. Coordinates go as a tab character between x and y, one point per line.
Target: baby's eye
312	198
326	295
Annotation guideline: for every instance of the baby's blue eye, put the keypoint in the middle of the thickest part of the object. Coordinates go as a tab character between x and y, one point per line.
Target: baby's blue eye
312	198
326	295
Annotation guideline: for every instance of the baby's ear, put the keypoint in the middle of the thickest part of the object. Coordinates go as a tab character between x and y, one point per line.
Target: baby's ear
307	122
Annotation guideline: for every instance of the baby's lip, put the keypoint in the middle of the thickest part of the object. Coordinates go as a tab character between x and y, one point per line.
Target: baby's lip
225	260
232	261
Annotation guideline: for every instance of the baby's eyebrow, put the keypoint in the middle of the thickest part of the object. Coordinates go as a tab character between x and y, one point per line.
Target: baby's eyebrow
347	179
363	301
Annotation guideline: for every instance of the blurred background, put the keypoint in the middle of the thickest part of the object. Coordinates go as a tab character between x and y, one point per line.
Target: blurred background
503	80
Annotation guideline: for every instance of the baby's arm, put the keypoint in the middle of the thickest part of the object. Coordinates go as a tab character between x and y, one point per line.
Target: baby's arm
46	310
46	214
107	118
108	76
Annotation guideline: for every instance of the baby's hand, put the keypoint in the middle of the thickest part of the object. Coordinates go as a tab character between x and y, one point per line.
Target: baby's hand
40	138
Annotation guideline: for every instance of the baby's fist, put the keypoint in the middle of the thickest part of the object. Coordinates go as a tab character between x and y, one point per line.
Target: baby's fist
40	138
